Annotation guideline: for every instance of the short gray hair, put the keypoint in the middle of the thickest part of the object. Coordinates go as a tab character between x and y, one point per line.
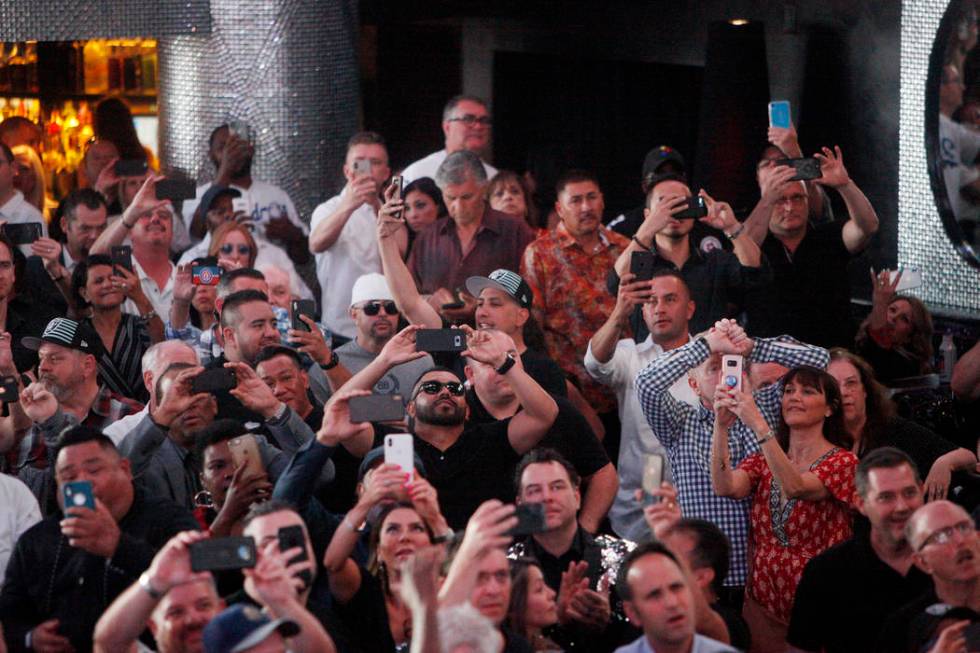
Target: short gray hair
450	108
458	167
463	625
155	356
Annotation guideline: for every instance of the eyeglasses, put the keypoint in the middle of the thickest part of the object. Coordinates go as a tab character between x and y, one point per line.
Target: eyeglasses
945	535
455	388
469	120
373	308
243	250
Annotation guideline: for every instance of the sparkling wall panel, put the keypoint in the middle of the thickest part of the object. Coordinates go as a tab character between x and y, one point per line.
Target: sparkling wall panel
950	284
66	20
288	68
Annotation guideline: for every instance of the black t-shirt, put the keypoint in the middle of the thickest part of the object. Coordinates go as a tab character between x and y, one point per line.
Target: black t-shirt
570	435
811	292
365	617
477	467
845	595
907	628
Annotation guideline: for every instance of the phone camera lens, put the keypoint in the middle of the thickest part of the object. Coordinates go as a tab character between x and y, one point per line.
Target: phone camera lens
731	381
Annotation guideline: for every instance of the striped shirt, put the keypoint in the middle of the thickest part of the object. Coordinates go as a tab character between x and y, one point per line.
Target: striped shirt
121	369
686	431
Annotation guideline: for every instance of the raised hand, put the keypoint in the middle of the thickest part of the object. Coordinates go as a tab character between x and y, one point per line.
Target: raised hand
834	174
95	531
177	397
172	564
145	202
662	515
720	214
382	483
336	426
488	346
487	529
657	216
401	348
310	342
785	139
360	189
573	580
773	179
38	402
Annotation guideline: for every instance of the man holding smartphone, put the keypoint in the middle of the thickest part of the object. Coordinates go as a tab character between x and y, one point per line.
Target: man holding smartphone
342	231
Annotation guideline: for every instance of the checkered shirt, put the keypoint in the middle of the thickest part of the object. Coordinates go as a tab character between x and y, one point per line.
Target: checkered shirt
685	431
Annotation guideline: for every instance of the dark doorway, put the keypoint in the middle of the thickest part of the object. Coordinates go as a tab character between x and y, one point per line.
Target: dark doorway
600	115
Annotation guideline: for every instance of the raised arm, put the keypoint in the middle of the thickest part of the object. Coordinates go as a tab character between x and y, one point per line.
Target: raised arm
400	349
359	190
145	202
602	346
727	482
654	220
772	179
863	222
486	530
965	383
721	217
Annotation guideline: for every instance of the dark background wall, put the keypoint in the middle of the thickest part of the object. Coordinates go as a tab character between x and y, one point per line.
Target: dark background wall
607	81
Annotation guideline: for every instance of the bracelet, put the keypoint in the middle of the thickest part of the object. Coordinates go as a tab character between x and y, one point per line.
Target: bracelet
640	243
148	316
766	438
735	234
507	364
146	586
445	538
334	361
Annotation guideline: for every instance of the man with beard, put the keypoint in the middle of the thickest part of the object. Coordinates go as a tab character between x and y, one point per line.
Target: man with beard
466	463
67	392
375	317
269	207
48	271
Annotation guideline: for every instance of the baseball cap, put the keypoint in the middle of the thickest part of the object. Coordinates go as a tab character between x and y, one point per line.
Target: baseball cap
67	333
241	627
370	286
213	193
504	280
659	156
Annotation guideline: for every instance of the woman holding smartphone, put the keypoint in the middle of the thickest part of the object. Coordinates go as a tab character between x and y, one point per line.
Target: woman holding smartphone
801	485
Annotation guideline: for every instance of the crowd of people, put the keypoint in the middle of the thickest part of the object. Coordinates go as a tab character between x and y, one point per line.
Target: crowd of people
660	432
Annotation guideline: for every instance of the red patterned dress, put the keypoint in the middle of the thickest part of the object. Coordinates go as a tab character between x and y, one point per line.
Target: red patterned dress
785	536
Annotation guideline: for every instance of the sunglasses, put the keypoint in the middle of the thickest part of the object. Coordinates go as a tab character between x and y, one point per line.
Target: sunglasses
373	308
455	388
243	250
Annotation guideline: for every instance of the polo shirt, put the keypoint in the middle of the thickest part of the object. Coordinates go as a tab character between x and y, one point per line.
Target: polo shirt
477	467
849	586
437	259
811	292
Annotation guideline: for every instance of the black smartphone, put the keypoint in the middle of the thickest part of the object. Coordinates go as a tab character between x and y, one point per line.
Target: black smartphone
530	520
130	167
23	233
122	256
176	190
291	537
696	208
214	380
440	340
399	183
9	390
377	408
806	169
305	307
222	554
641	264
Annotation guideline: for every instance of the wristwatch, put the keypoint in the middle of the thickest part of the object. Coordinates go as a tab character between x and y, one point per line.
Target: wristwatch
146	586
507	364
769	435
334	361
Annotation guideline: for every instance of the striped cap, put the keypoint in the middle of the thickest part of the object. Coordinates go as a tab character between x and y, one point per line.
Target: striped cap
67	333
505	280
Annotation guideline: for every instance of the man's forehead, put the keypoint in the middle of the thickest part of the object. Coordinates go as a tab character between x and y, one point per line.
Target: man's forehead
889	478
48	348
584	187
653	570
671	187
257	309
80	453
367	151
468	106
545	471
667	284
438	375
277	364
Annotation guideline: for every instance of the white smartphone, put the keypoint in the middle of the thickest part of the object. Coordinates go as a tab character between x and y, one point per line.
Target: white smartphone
239	205
653	476
400	450
362	167
779	114
731	371
911	278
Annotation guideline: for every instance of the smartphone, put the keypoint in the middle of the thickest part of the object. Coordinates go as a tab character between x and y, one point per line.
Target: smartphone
641	264
400	450
23	233
222	554
244	449
696	208
9	390
911	278
122	256
239	205
398	183
779	114
530	520
305	307
242	130
806	169
213	380
731	371
176	190
291	537
653	476
78	494
440	340
377	408
362	167
205	275
130	167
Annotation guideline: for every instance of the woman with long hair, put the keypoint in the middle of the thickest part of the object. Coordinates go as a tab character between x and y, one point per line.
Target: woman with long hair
871	421
896	338
508	192
532	604
801	485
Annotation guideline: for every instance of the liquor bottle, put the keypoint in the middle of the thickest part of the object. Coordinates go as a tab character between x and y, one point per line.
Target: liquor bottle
96	67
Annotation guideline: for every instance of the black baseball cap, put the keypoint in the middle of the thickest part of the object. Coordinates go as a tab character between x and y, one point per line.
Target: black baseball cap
213	193
658	156
67	333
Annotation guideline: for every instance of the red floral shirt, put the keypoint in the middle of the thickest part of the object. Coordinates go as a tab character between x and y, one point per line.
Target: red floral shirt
571	301
784	537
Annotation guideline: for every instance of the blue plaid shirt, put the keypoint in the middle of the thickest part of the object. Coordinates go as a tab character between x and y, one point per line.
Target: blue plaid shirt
685	431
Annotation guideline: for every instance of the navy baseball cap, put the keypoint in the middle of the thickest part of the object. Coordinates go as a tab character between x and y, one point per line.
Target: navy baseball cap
241	627
213	193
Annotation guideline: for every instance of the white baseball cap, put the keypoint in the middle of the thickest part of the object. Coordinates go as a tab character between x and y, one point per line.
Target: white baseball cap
368	287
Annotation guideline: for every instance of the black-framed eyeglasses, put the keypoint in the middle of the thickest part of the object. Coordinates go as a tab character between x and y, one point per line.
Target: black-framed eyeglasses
945	535
228	248
373	308
469	120
455	388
